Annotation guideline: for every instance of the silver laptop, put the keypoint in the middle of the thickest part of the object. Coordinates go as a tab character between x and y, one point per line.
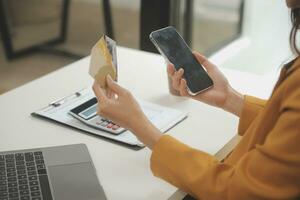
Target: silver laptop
54	173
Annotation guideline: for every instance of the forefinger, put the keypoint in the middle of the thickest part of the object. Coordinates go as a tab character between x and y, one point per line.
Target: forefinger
171	69
99	92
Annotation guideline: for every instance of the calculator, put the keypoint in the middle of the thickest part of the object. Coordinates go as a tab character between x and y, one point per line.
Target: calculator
87	113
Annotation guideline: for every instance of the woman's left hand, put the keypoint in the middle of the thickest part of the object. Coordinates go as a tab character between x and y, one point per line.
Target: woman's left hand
122	109
125	111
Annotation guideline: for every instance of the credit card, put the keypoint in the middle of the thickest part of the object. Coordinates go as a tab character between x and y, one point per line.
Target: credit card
104	60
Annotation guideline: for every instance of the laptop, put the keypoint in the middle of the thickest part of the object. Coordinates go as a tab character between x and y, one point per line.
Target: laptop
54	173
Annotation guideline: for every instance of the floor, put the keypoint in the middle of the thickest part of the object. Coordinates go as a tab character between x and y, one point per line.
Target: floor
83	32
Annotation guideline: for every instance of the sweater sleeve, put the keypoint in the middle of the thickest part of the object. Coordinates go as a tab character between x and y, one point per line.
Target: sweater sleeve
252	106
269	171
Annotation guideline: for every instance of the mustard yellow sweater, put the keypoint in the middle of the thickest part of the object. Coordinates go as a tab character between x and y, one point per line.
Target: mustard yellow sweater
264	165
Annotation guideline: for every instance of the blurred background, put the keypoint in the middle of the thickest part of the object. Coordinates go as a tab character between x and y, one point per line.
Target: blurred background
40	36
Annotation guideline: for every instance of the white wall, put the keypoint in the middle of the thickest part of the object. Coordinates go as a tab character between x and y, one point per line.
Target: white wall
265	41
226	10
267	16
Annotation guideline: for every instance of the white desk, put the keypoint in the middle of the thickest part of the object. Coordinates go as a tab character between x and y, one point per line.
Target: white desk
124	173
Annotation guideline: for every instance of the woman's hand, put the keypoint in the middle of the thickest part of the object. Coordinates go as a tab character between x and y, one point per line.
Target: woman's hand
117	104
221	95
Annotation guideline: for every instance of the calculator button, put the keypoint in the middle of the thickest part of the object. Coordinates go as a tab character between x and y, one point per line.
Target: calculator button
110	125
115	127
104	124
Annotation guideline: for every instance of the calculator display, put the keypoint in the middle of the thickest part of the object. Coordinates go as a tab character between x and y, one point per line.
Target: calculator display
87	113
90	112
86	110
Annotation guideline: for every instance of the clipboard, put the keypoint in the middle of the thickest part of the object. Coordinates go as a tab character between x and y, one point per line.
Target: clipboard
162	117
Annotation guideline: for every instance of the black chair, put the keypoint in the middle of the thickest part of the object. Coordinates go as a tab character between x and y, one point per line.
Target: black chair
11	53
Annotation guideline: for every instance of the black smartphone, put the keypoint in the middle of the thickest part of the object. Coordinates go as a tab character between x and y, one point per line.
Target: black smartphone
174	49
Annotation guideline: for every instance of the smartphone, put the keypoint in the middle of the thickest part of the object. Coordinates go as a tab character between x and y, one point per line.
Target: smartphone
174	49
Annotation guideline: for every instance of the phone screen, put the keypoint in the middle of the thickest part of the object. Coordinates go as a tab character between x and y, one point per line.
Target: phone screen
173	47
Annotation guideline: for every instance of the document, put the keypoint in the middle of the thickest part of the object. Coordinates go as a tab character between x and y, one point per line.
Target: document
162	117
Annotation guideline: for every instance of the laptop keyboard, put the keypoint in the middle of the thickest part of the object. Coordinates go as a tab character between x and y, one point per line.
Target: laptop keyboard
23	176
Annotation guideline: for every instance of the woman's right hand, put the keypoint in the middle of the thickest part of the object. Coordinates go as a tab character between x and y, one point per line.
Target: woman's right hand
221	95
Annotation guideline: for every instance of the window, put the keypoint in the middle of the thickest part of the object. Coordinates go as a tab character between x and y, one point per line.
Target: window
215	23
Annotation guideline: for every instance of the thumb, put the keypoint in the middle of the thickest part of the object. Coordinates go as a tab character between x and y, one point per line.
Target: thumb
113	86
204	61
